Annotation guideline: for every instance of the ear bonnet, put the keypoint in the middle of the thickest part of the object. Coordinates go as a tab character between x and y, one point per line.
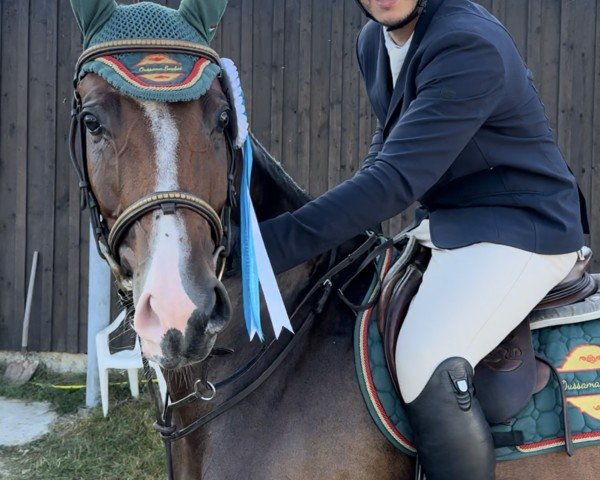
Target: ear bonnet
159	76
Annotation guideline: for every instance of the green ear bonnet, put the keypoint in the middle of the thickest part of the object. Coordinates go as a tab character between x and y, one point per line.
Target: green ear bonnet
166	77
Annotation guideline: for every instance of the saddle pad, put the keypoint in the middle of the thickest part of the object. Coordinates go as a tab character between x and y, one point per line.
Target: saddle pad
574	349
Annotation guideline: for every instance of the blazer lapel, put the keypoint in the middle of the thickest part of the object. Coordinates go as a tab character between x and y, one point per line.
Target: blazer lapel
419	33
383	83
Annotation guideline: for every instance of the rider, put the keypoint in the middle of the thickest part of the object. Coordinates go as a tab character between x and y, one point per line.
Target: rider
461	129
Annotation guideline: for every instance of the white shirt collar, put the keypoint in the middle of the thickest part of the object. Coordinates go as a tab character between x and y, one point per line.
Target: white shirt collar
396	53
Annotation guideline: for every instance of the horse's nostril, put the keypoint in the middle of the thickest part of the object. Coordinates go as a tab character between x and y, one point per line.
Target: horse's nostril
146	319
221	312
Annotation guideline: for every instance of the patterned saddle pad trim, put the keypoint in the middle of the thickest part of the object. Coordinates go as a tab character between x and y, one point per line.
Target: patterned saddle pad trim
376	395
578	364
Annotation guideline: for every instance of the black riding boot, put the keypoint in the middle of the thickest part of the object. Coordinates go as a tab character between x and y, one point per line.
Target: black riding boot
453	439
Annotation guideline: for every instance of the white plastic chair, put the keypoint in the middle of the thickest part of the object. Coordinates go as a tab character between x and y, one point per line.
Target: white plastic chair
130	360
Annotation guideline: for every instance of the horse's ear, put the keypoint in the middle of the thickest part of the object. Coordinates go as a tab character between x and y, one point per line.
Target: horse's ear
91	15
203	15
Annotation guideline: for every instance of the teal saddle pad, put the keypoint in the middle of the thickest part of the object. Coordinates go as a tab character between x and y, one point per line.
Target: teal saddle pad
568	336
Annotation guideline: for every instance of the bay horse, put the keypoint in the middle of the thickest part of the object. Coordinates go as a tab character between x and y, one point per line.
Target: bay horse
309	419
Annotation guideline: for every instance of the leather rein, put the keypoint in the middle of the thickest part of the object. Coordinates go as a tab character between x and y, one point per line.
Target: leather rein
108	241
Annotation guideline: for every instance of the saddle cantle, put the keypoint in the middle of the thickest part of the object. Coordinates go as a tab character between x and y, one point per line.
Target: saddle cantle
507	377
576	286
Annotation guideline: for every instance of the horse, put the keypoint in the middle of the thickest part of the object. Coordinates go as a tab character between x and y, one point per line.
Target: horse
308	419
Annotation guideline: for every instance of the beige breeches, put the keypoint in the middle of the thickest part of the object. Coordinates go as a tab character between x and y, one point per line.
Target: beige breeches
470	300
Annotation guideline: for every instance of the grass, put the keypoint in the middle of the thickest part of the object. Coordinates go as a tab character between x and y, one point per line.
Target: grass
84	445
40	388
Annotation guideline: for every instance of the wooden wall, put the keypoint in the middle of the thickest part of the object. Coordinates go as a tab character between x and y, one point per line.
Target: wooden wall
307	104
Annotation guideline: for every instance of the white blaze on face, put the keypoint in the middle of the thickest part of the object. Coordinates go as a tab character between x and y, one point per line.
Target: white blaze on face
163	303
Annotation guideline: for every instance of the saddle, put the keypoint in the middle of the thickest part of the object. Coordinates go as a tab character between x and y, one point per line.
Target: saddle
508	376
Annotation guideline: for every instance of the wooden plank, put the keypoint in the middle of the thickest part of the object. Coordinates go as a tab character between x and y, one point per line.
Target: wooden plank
516	21
594	196
246	60
66	265
543	53
499	10
8	173
231	25
277	81
365	130
319	96
304	91
576	88
487	4
13	166
20	156
261	70
351	84
336	92
41	159
289	148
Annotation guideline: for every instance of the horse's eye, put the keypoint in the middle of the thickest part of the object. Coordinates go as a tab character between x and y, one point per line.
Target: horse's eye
223	120
92	124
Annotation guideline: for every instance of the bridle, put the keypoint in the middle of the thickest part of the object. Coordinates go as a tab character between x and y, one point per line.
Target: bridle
108	239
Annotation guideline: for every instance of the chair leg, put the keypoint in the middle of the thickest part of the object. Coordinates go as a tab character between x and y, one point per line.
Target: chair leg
103	373
132	373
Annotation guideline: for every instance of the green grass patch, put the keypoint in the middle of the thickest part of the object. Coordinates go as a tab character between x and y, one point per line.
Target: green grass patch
123	446
40	388
86	445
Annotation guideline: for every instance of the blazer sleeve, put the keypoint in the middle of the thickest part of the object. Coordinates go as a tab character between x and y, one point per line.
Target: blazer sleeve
459	83
376	146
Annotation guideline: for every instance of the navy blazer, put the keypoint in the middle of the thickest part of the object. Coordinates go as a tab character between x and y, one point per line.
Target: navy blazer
463	132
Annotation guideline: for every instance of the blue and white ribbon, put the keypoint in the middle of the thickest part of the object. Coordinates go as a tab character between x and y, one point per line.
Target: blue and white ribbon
256	266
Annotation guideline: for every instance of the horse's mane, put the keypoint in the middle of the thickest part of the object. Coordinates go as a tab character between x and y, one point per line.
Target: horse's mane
273	192
283	184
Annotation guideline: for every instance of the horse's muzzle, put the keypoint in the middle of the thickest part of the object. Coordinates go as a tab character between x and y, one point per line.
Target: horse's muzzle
195	344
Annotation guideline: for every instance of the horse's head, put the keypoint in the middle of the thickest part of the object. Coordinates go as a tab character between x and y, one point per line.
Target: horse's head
169	253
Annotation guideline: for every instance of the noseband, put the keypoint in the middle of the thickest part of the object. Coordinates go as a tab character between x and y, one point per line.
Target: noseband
108	239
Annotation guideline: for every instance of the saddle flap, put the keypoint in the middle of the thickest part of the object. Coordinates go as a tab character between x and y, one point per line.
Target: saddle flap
400	285
408	247
507	377
403	293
